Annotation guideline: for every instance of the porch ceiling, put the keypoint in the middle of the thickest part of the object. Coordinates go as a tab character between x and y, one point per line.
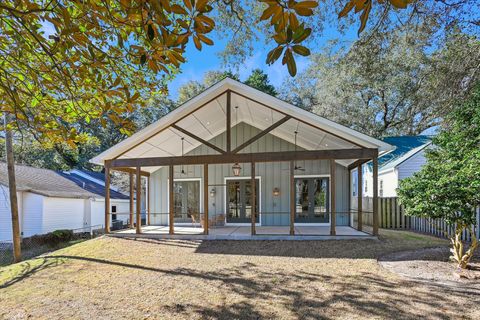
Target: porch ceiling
205	117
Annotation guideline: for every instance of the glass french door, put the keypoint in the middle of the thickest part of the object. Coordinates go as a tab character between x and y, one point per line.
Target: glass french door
312	203
239	201
186	201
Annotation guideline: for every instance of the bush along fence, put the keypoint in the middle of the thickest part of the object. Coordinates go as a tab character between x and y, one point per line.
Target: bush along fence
392	216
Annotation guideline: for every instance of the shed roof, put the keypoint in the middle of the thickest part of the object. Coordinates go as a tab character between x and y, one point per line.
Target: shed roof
204	116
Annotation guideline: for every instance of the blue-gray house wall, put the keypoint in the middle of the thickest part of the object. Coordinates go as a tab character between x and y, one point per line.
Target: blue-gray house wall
272	175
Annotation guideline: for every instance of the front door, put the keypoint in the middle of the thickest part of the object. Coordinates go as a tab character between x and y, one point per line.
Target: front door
312	200
186	201
239	201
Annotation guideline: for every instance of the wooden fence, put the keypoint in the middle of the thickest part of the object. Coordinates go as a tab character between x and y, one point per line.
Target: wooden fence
392	216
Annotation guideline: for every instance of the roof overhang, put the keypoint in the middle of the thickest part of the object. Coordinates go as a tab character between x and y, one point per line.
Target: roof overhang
204	116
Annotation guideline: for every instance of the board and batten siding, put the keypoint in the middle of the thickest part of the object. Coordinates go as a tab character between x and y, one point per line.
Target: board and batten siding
272	174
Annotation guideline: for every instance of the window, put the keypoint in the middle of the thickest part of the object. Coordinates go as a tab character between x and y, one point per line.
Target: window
114	210
381	188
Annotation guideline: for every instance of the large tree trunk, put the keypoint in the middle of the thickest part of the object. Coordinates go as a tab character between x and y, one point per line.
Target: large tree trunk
12	188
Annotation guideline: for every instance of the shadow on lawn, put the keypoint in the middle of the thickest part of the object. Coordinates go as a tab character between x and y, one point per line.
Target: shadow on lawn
28	269
364	294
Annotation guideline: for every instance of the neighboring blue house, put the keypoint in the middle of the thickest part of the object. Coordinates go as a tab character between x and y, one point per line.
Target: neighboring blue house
407	158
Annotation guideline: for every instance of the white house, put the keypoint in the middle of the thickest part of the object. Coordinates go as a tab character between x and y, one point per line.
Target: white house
50	200
407	158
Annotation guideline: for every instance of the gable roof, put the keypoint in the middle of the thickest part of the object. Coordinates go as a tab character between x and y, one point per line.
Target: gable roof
204	116
405	147
50	183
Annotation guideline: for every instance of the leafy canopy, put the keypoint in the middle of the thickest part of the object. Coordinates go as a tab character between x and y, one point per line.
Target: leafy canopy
448	186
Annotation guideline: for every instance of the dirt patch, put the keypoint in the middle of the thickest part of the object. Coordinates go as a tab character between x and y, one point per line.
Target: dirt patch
432	265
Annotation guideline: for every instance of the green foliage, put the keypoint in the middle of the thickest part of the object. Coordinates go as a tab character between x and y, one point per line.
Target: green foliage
259	80
193	87
392	84
51	239
448	186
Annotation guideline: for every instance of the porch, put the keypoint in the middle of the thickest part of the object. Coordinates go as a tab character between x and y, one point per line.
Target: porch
244	233
243	164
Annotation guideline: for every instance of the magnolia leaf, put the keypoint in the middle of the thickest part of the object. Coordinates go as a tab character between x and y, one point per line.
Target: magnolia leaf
205	39
150	32
301	50
401	4
364	16
274	54
178	9
291	65
348	7
197	43
143	59
302	36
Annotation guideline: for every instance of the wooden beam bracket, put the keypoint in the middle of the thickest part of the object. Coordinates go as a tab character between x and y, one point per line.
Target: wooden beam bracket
261	134
205	142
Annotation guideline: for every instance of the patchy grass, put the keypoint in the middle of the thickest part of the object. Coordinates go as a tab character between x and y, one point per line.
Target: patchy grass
6	254
147	279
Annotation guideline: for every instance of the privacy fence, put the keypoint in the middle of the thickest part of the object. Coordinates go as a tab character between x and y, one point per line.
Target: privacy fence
392	216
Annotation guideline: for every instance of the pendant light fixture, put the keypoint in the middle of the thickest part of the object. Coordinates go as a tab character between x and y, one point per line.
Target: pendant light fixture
236	167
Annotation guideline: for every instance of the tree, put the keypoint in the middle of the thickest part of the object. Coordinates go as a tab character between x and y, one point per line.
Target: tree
448	186
393	84
193	87
259	80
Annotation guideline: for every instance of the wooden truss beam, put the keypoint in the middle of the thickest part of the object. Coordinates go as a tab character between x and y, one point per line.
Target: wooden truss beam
247	157
357	163
191	135
131	170
261	134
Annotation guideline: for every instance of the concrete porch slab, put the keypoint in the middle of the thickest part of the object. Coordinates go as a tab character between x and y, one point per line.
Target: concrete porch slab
244	233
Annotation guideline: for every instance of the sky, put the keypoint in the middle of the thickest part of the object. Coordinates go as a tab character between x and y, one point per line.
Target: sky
208	59
199	62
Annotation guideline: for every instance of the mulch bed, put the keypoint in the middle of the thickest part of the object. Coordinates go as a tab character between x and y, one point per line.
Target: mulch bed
432	265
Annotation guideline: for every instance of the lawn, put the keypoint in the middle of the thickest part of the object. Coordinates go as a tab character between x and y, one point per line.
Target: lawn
113	278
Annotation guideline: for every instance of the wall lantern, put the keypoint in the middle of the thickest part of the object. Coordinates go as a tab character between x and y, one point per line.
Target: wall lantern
236	169
213	192
276	192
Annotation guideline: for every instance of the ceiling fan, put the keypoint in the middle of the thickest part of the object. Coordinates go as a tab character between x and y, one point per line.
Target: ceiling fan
296	167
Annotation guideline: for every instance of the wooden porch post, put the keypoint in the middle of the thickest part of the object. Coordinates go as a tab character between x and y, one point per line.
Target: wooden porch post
253	196
333	209
292	198
139	201
360	197
171	205
205	199
147	194
375	195
107	197
131	199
